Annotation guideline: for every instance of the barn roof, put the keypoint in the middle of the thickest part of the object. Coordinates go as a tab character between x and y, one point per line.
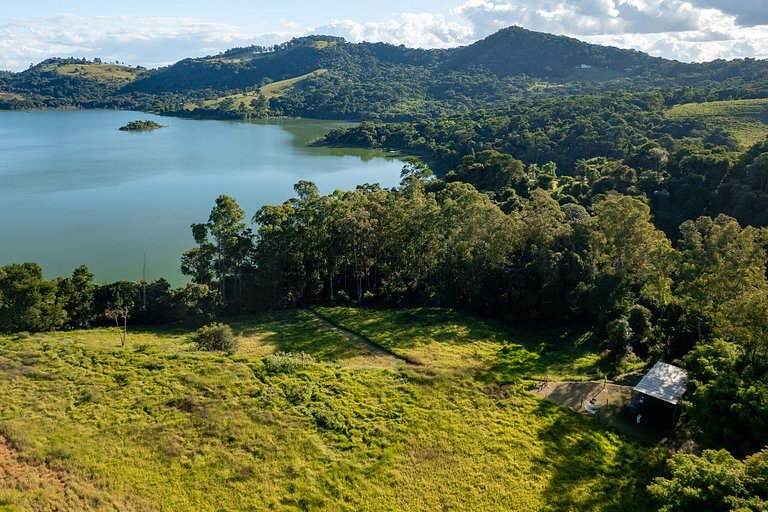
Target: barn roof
665	382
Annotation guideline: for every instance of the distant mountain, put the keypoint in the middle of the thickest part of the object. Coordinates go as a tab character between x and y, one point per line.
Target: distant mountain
516	51
328	77
243	68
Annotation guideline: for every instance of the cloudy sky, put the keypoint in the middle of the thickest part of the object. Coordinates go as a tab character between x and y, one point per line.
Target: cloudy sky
157	32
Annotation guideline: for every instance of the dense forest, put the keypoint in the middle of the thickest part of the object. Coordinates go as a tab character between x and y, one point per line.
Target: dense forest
555	198
583	147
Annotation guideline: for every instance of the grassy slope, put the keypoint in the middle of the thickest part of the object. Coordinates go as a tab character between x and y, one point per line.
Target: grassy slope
275	89
105	73
746	119
445	339
158	426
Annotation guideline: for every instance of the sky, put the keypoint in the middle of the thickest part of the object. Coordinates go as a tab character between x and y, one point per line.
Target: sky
157	33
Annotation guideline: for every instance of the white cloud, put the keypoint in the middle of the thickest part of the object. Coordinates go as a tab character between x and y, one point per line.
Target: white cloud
588	17
679	29
149	42
416	30
748	13
688	30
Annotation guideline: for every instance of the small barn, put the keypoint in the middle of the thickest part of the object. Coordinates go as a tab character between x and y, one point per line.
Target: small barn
657	396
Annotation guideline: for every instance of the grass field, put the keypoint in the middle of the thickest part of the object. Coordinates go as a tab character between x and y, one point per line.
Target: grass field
746	119
157	425
456	342
275	89
280	88
106	73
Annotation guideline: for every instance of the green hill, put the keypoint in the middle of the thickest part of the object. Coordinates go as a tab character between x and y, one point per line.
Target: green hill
515	51
369	80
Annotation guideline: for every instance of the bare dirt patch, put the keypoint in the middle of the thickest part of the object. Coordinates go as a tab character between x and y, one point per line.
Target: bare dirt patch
26	486
606	400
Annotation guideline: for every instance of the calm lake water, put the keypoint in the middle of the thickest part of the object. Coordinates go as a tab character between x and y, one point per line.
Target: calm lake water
75	190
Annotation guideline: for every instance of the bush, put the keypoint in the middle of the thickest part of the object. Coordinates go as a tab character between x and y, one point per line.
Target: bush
289	362
619	335
215	336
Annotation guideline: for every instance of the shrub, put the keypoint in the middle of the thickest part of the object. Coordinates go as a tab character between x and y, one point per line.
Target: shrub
329	419
215	336
619	335
288	362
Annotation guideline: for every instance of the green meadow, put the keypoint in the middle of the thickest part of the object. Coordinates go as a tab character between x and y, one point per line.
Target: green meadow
746	119
269	91
101	72
306	417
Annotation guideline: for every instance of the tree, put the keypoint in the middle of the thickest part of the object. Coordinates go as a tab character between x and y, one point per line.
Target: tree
357	226
198	261
713	481
727	400
27	301
491	171
226	225
118	315
78	293
215	336
117	295
224	245
720	264
623	257
197	303
624	237
744	320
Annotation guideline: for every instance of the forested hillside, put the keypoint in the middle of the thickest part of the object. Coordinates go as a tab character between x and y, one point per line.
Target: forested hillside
587	146
327	77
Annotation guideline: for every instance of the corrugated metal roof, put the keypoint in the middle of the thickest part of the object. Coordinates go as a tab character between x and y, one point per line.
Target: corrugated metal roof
665	382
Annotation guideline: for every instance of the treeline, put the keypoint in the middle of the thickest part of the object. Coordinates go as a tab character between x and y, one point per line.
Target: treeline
30	303
562	130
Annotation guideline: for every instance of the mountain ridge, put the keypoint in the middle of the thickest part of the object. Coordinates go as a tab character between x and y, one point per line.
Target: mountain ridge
366	80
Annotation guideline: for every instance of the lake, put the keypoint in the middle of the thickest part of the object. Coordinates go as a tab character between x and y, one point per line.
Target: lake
75	190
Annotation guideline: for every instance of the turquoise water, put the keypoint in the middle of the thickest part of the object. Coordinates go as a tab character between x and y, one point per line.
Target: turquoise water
75	190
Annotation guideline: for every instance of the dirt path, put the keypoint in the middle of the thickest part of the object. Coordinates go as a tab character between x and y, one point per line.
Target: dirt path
376	350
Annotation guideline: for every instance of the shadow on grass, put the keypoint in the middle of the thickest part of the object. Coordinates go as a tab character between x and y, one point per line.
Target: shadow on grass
168	332
511	365
414	327
296	331
540	353
592	467
507	355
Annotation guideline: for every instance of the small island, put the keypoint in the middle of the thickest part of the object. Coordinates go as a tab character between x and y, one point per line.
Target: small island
140	126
